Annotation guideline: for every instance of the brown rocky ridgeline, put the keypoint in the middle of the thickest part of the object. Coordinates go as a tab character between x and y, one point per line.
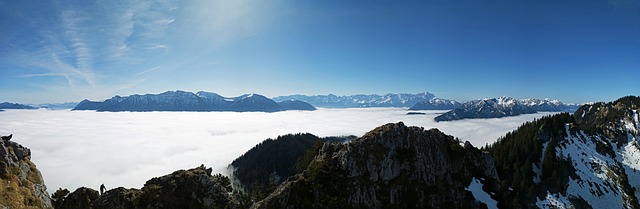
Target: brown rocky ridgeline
21	184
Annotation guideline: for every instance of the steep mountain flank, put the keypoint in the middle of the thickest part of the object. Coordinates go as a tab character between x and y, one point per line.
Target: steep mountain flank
260	170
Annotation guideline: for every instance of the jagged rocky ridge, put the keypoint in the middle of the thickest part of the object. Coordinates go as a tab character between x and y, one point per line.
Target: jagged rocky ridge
21	184
187	101
393	166
503	107
360	100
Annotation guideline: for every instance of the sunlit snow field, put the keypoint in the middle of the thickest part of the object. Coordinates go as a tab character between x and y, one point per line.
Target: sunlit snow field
88	148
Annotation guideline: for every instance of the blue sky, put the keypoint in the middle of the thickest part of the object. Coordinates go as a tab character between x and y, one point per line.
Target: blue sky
575	51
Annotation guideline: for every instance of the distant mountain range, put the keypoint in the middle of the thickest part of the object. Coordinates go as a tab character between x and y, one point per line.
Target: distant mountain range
589	159
188	101
503	107
360	100
436	104
7	105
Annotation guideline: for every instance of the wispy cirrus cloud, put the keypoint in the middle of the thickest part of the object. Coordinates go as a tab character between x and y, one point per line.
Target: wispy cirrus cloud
146	71
89	44
75	35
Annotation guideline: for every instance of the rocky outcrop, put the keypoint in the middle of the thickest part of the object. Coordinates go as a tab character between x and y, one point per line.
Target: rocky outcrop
192	188
393	166
20	181
118	198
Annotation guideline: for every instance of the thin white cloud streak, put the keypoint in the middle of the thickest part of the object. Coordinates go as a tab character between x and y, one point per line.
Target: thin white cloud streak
41	75
72	22
86	148
147	71
83	45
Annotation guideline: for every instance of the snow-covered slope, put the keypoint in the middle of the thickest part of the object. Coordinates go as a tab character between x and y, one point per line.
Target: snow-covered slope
602	179
606	161
590	159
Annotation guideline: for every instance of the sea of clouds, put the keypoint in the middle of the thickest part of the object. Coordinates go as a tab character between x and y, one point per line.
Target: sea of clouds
88	148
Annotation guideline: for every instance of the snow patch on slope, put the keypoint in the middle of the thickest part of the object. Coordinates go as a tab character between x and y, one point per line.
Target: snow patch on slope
553	201
476	189
598	181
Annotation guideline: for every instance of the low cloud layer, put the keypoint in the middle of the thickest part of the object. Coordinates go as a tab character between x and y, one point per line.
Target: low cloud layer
86	148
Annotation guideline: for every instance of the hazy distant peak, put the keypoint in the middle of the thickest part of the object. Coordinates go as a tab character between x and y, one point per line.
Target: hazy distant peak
361	100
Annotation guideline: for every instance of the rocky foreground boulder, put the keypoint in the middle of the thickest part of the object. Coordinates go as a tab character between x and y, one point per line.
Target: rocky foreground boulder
21	184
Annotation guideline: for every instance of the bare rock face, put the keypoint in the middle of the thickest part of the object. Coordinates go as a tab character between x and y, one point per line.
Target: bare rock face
20	181
393	166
